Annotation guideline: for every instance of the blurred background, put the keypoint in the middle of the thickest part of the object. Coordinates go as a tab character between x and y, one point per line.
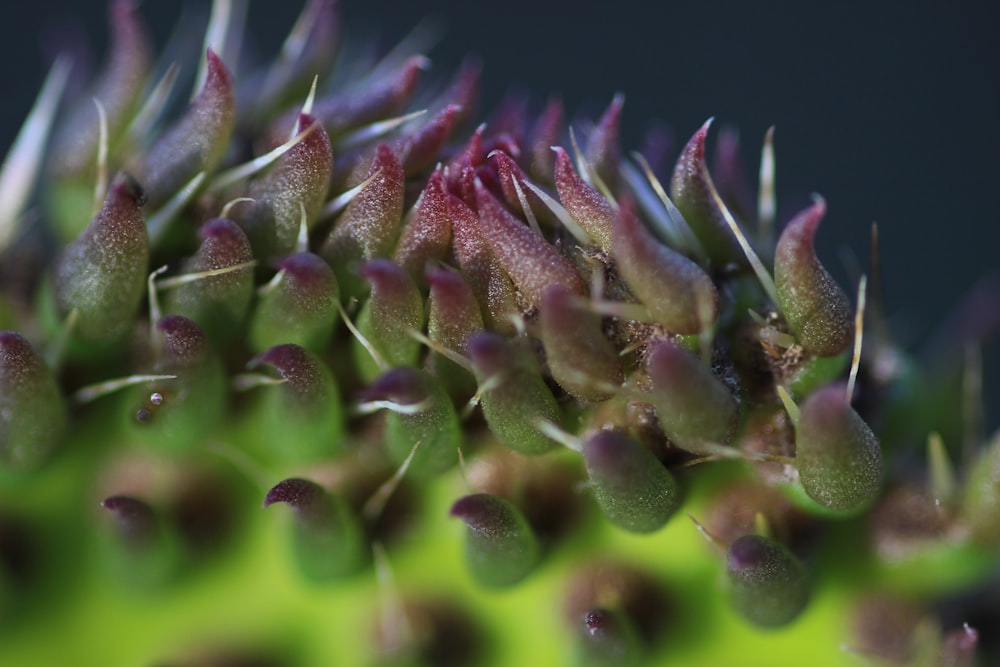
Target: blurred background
889	110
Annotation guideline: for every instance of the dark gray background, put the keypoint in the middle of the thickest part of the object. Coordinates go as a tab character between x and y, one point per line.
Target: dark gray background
890	110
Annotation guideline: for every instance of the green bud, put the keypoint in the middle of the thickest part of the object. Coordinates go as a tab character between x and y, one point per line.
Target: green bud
328	540
768	585
838	456
632	488
980	503
500	547
693	406
606	638
419	413
394	310
32	412
299	306
514	397
142	551
102	274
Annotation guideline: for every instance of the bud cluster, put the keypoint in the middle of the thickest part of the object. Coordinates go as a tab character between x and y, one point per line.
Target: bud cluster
337	294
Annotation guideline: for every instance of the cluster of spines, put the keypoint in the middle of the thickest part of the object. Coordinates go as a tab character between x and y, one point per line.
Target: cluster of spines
572	304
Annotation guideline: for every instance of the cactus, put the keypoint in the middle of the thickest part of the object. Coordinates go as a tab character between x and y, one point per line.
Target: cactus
667	438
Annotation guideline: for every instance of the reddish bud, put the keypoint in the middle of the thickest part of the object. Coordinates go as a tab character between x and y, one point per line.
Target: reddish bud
677	292
815	307
587	206
32	412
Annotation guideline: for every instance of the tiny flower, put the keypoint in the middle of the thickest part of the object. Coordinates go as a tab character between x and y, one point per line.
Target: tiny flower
301	419
369	226
580	357
690	191
218	303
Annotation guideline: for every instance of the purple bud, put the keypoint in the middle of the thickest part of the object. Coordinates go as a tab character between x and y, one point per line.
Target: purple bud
587	206
102	274
603	150
494	290
730	180
136	521
298	181
300	420
514	396
393	311
546	133
426	419
420	149
427	237
607	638
815	307
118	88
369	226
328	540
196	142
531	262
690	191
453	317
677	292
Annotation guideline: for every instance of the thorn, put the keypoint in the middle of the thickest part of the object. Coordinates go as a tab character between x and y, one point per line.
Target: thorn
375	505
101	181
98	390
790	407
859	331
716	543
941	472
766	206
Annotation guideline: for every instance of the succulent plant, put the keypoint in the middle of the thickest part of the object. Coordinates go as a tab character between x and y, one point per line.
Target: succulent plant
322	285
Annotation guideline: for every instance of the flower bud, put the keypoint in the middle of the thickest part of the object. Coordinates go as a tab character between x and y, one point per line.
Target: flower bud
768	585
980	502
606	638
218	303
394	309
587	206
514	397
176	414
677	292
531	262
546	133
421	414
838	456
102	274
632	488
500	547
299	307
603	151
297	183
580	357
816	309
195	143
421	148
369	226
32	411
142	552
427	237
328	540
301	419
118	88
452	319
690	191
694	408
494	290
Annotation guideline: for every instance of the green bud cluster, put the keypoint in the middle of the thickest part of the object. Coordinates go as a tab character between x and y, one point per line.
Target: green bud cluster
301	292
